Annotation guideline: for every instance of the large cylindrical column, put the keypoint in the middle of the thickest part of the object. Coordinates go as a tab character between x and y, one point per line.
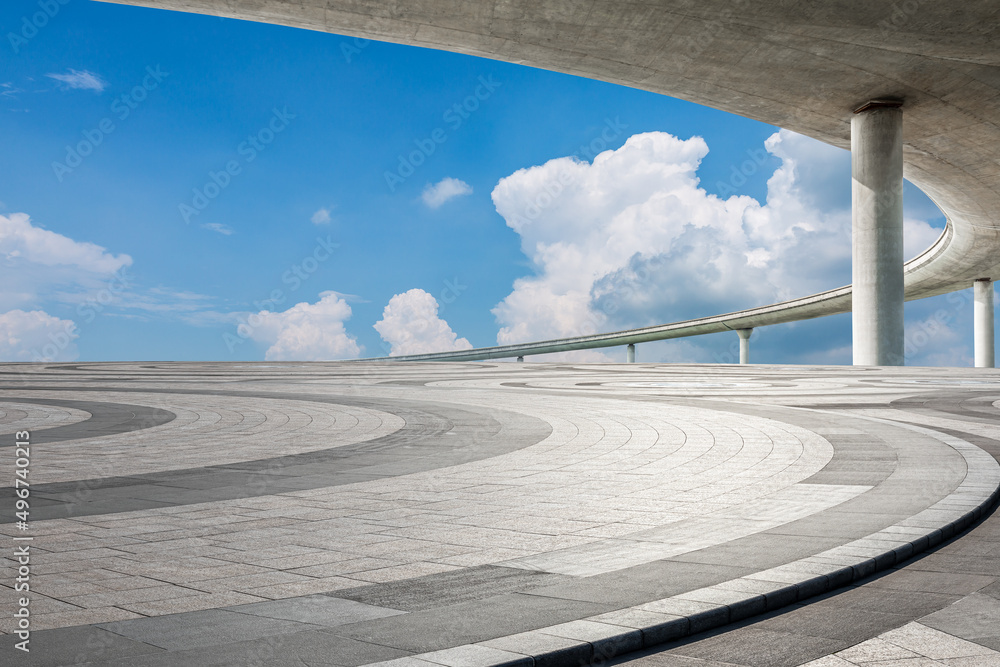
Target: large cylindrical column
744	335
630	353
877	233
983	322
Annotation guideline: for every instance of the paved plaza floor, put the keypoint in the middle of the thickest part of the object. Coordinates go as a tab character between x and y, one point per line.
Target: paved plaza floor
479	514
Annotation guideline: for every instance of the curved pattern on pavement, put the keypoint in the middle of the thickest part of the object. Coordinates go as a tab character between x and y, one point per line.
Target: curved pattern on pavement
15	415
506	510
105	418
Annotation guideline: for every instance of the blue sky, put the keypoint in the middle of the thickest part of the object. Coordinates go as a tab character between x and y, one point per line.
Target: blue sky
187	187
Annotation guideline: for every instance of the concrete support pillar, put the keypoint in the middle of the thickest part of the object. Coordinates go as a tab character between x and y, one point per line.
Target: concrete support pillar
983	322
521	359
877	233
630	353
744	335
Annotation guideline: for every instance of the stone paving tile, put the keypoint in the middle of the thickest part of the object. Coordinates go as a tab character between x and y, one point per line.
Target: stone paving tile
177	605
317	609
321	585
82	645
63	619
201	629
934	644
759	648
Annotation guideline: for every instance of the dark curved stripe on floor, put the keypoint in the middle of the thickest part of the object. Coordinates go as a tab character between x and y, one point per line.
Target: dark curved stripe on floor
435	435
952	405
105	419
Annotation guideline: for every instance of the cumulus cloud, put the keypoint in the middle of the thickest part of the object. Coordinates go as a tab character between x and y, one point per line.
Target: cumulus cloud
434	195
917	237
321	217
36	336
19	238
307	331
410	324
36	263
633	239
80	80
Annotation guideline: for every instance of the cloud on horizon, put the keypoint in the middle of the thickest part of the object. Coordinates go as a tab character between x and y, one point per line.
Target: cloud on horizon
410	325
307	331
36	336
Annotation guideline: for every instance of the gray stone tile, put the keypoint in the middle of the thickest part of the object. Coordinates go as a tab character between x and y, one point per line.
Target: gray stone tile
835	623
317	649
891	601
908	579
78	645
761	551
469	622
973	618
317	610
643	583
201	629
757	647
463	585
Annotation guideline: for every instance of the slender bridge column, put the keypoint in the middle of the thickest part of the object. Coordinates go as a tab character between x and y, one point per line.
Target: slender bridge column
744	335
877	236
630	353
983	322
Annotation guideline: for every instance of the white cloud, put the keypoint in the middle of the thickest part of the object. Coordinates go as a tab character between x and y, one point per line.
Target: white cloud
632	239
434	195
321	217
36	263
307	331
19	238
80	80
917	237
219	228
36	336
410	324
